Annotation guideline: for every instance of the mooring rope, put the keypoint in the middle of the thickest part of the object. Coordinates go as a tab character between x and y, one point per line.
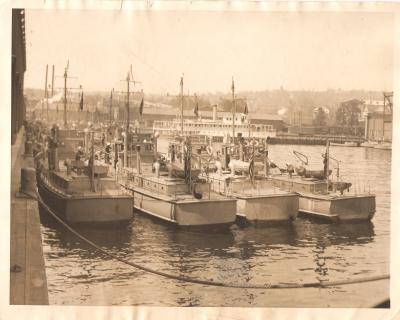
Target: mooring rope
319	284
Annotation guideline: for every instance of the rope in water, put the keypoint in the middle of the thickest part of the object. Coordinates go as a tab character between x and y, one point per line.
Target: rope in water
319	284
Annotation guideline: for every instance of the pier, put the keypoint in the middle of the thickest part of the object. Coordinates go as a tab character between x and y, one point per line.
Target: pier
28	284
312	139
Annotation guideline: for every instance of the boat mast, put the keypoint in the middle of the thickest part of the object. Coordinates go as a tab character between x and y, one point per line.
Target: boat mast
65	94
46	94
127	123
129	79
327	165
181	84
111	99
233	110
52	82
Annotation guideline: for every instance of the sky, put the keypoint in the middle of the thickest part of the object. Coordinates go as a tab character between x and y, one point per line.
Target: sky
261	50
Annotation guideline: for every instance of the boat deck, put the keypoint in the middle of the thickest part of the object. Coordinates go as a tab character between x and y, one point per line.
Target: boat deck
74	184
315	188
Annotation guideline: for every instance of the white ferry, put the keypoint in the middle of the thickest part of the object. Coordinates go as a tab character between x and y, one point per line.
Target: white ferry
223	127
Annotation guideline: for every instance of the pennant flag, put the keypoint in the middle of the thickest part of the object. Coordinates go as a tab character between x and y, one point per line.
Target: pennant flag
196	107
141	106
233	85
181	83
81	102
246	109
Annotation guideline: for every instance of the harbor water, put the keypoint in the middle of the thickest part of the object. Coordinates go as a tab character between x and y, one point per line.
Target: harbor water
305	251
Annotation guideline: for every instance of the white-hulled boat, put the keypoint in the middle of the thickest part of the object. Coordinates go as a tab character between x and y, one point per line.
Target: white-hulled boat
258	200
326	199
170	199
179	196
317	200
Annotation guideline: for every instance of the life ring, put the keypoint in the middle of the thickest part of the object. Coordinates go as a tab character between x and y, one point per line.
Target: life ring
209	150
261	149
255	143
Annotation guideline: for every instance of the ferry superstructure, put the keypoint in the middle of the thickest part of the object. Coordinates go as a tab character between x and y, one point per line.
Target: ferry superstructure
215	127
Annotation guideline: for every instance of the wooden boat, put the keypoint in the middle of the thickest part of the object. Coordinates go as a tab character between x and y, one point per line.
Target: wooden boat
173	200
71	196
258	200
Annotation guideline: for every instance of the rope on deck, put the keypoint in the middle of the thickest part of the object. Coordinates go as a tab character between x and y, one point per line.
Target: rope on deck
319	284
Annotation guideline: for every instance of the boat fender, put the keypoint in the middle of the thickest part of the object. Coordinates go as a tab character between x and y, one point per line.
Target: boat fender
67	163
197	195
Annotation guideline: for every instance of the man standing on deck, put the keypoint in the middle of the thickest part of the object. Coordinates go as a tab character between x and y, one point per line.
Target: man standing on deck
79	154
107	153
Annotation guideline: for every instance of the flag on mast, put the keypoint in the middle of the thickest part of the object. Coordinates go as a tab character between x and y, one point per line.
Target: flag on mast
246	109
233	85
81	102
141	106
196	106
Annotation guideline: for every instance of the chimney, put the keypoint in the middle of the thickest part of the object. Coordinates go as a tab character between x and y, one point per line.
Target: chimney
214	112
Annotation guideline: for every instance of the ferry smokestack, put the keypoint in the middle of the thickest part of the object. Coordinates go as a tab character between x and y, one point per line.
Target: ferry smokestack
214	112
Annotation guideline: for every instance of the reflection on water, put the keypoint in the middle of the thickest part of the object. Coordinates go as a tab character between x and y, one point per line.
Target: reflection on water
304	251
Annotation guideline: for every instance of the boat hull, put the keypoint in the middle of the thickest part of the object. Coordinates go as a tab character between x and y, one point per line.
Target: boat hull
272	208
94	209
333	208
186	213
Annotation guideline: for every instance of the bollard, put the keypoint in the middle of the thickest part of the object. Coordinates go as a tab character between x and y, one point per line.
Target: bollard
28	148
28	181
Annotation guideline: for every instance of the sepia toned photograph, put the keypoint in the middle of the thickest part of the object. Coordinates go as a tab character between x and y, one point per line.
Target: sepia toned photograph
201	158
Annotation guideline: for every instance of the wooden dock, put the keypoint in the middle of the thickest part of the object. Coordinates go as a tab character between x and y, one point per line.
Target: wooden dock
28	284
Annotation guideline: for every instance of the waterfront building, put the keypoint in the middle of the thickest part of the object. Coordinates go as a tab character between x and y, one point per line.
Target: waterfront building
18	52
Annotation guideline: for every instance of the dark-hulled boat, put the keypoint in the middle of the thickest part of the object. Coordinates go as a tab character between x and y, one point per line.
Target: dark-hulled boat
72	197
78	191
